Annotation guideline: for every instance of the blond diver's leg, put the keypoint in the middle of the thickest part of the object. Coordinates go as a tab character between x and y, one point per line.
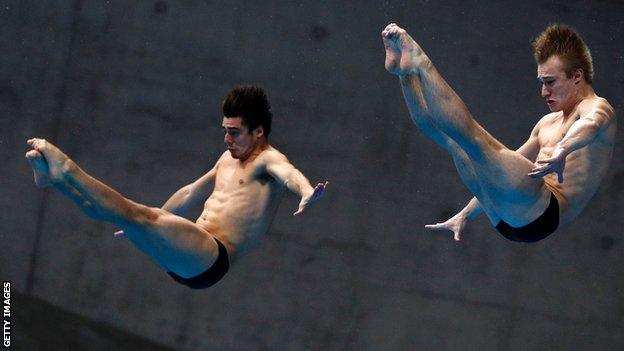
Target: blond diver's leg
503	185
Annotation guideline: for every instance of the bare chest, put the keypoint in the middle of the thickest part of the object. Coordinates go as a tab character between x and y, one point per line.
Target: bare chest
233	177
554	132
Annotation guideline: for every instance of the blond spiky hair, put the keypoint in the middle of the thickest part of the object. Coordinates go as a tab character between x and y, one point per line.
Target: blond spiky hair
563	41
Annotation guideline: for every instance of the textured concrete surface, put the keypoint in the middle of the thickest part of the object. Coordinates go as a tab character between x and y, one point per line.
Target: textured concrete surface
37	325
132	92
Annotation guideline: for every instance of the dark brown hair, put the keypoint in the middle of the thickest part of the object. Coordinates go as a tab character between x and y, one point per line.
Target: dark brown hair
252	105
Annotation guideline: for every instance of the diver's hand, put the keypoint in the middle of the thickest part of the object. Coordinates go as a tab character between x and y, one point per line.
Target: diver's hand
554	164
307	200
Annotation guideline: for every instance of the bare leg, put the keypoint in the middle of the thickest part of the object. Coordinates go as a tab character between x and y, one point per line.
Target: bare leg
174	243
421	116
417	106
445	109
501	173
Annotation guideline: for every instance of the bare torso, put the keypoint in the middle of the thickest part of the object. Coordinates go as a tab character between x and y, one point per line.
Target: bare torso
584	167
243	203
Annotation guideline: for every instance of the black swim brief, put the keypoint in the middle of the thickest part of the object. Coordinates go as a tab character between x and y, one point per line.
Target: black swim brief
537	230
209	277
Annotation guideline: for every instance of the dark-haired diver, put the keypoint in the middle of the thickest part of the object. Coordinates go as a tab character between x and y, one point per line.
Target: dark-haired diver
247	179
526	193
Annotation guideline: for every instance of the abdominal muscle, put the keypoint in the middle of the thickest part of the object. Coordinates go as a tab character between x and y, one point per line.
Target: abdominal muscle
582	176
238	218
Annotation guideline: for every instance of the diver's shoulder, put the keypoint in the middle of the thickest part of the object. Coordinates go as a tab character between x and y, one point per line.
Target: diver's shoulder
271	154
604	105
596	105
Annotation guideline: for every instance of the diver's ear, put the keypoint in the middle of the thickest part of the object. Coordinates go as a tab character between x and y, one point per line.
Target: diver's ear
578	75
258	132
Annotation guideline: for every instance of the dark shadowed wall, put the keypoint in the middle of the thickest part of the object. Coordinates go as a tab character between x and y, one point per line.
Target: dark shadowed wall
132	91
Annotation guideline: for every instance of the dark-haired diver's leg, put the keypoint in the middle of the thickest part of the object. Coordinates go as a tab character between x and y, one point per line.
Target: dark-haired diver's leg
174	243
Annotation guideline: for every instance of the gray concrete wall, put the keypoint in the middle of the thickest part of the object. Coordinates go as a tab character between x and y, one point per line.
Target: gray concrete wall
132	91
37	325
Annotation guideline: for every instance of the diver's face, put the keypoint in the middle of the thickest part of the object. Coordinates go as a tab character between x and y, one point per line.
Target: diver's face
558	89
239	142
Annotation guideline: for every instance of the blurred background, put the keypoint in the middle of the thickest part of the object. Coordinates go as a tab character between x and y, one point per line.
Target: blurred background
132	91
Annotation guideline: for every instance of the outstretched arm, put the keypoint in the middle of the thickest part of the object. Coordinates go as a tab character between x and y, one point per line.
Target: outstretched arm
286	174
580	134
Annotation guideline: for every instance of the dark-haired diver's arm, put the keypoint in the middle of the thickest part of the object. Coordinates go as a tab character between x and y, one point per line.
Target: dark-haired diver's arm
278	166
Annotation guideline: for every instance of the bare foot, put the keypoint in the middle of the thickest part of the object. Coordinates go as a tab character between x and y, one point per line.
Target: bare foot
40	168
55	159
403	55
